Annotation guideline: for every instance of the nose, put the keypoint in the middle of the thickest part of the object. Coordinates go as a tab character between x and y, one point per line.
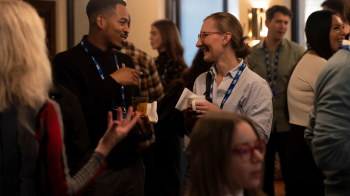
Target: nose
199	43
342	32
126	28
257	156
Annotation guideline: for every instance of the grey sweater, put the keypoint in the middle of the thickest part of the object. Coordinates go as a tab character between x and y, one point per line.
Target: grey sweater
328	131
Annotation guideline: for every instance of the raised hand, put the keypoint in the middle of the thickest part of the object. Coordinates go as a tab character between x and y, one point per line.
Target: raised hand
126	76
117	130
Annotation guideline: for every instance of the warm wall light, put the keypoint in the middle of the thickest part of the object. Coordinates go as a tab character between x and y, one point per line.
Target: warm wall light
256	19
250	15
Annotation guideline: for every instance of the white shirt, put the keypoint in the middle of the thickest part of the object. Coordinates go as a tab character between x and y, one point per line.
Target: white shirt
301	88
251	96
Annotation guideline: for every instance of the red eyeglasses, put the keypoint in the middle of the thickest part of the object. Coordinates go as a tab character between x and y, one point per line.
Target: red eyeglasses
246	152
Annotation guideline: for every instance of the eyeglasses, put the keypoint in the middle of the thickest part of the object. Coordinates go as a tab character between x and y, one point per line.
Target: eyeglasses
203	35
246	152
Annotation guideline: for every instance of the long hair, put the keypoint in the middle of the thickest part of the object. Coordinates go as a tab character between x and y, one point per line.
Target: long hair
172	41
226	22
317	29
25	70
210	153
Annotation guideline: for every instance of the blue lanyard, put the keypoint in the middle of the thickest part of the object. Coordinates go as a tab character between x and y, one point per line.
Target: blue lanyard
271	83
229	90
83	44
165	70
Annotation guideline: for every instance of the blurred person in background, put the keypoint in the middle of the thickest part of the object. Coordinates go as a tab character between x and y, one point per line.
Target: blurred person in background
226	155
33	153
272	58
328	129
150	84
304	177
165	38
151	87
171	127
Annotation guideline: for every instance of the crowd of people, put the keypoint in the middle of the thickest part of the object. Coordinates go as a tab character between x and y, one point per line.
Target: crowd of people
275	97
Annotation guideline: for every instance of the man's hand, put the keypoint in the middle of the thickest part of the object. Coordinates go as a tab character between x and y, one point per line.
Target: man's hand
143	127
126	76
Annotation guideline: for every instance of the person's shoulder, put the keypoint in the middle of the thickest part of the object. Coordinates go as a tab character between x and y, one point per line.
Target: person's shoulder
294	45
340	60
254	79
70	53
258	46
202	77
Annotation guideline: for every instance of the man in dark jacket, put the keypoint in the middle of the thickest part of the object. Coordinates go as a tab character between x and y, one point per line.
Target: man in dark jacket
103	79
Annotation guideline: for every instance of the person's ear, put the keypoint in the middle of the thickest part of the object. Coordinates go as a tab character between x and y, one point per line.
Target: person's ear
227	38
100	21
267	23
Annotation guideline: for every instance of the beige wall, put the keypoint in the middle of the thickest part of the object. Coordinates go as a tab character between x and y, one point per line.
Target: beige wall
141	20
61	25
244	5
81	22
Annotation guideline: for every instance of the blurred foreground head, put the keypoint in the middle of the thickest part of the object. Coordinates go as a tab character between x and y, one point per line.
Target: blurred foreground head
226	156
25	71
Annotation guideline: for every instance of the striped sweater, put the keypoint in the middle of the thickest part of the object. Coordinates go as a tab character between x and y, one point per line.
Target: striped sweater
32	154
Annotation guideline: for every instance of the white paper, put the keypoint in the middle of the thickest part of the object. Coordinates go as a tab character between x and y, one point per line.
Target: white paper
182	103
152	112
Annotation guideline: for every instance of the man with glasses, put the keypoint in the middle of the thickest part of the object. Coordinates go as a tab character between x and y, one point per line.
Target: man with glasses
272	59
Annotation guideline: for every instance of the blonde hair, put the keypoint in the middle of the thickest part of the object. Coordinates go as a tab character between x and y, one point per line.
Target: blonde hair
25	70
226	22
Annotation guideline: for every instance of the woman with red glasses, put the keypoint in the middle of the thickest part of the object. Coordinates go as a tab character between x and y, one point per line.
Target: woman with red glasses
226	155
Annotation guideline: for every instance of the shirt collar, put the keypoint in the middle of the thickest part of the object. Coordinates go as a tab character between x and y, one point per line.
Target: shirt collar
261	44
345	45
232	72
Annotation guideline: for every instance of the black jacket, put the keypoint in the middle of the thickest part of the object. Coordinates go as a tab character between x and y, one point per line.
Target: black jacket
76	70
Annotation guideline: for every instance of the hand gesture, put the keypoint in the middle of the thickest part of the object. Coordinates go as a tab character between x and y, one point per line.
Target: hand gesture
116	131
126	76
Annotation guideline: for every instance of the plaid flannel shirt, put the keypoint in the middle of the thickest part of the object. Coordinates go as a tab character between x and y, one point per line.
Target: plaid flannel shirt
150	84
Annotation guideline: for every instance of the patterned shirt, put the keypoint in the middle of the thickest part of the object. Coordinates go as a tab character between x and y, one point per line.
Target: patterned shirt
169	69
150	84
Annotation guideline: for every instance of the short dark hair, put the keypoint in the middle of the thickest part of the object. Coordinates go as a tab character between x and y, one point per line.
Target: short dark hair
347	10
335	5
96	7
317	28
270	13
